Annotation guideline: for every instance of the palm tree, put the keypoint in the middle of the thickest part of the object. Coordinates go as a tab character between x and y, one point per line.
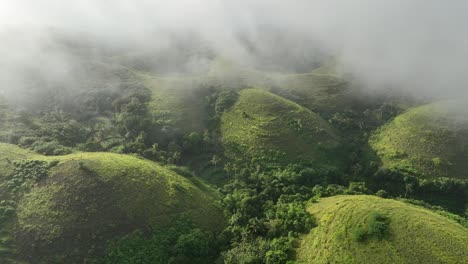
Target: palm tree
408	189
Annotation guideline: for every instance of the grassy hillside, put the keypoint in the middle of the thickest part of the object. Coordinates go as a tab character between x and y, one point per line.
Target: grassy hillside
184	97
429	140
8	154
262	122
413	235
317	91
88	198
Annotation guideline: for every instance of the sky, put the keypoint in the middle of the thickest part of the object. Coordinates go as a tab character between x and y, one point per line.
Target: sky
417	46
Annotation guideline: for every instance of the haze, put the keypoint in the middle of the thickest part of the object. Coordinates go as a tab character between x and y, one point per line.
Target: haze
415	46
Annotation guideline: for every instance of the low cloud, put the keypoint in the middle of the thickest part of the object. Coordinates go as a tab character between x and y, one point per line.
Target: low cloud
416	46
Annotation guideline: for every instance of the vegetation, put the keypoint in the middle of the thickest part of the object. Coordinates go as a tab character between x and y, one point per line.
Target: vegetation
318	91
265	126
127	186
428	141
376	226
179	242
368	229
114	171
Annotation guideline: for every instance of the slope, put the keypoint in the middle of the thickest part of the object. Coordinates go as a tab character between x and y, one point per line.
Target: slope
316	91
261	124
428	140
413	235
87	199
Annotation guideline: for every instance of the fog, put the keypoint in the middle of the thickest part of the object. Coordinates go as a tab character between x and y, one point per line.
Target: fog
416	46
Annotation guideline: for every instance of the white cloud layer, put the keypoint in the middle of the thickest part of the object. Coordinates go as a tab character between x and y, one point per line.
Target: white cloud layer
419	46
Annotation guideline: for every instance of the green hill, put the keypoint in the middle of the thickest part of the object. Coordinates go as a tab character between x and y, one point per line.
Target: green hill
181	99
184	97
261	122
428	140
410	234
317	91
88	198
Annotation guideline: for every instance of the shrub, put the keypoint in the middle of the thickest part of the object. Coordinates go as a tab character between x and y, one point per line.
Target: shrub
183	171
252	252
7	210
52	148
376	226
225	100
357	188
289	217
382	193
26	174
179	243
276	257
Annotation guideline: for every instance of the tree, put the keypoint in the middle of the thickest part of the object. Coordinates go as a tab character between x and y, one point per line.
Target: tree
408	189
215	160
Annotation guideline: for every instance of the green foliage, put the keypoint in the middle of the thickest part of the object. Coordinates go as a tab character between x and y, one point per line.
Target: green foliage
382	193
245	252
183	171
225	100
439	210
26	174
357	188
135	194
279	154
316	91
260	251
134	119
449	193
266	214
365	117
286	218
179	243
376	226
427	141
369	229
7	210
335	189
263	126
51	148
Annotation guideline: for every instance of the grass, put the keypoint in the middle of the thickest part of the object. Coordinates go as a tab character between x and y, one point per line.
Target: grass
413	234
183	95
263	122
89	198
318	91
179	97
10	153
428	140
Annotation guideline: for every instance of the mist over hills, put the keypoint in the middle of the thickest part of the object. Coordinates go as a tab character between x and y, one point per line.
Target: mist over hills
235	132
417	47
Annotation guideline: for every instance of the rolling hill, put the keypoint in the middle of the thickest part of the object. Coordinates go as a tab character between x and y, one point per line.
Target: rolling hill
410	234
87	199
318	91
261	122
428	140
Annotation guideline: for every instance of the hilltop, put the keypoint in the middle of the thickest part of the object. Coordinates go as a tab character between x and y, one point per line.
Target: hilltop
260	122
428	140
85	199
369	229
